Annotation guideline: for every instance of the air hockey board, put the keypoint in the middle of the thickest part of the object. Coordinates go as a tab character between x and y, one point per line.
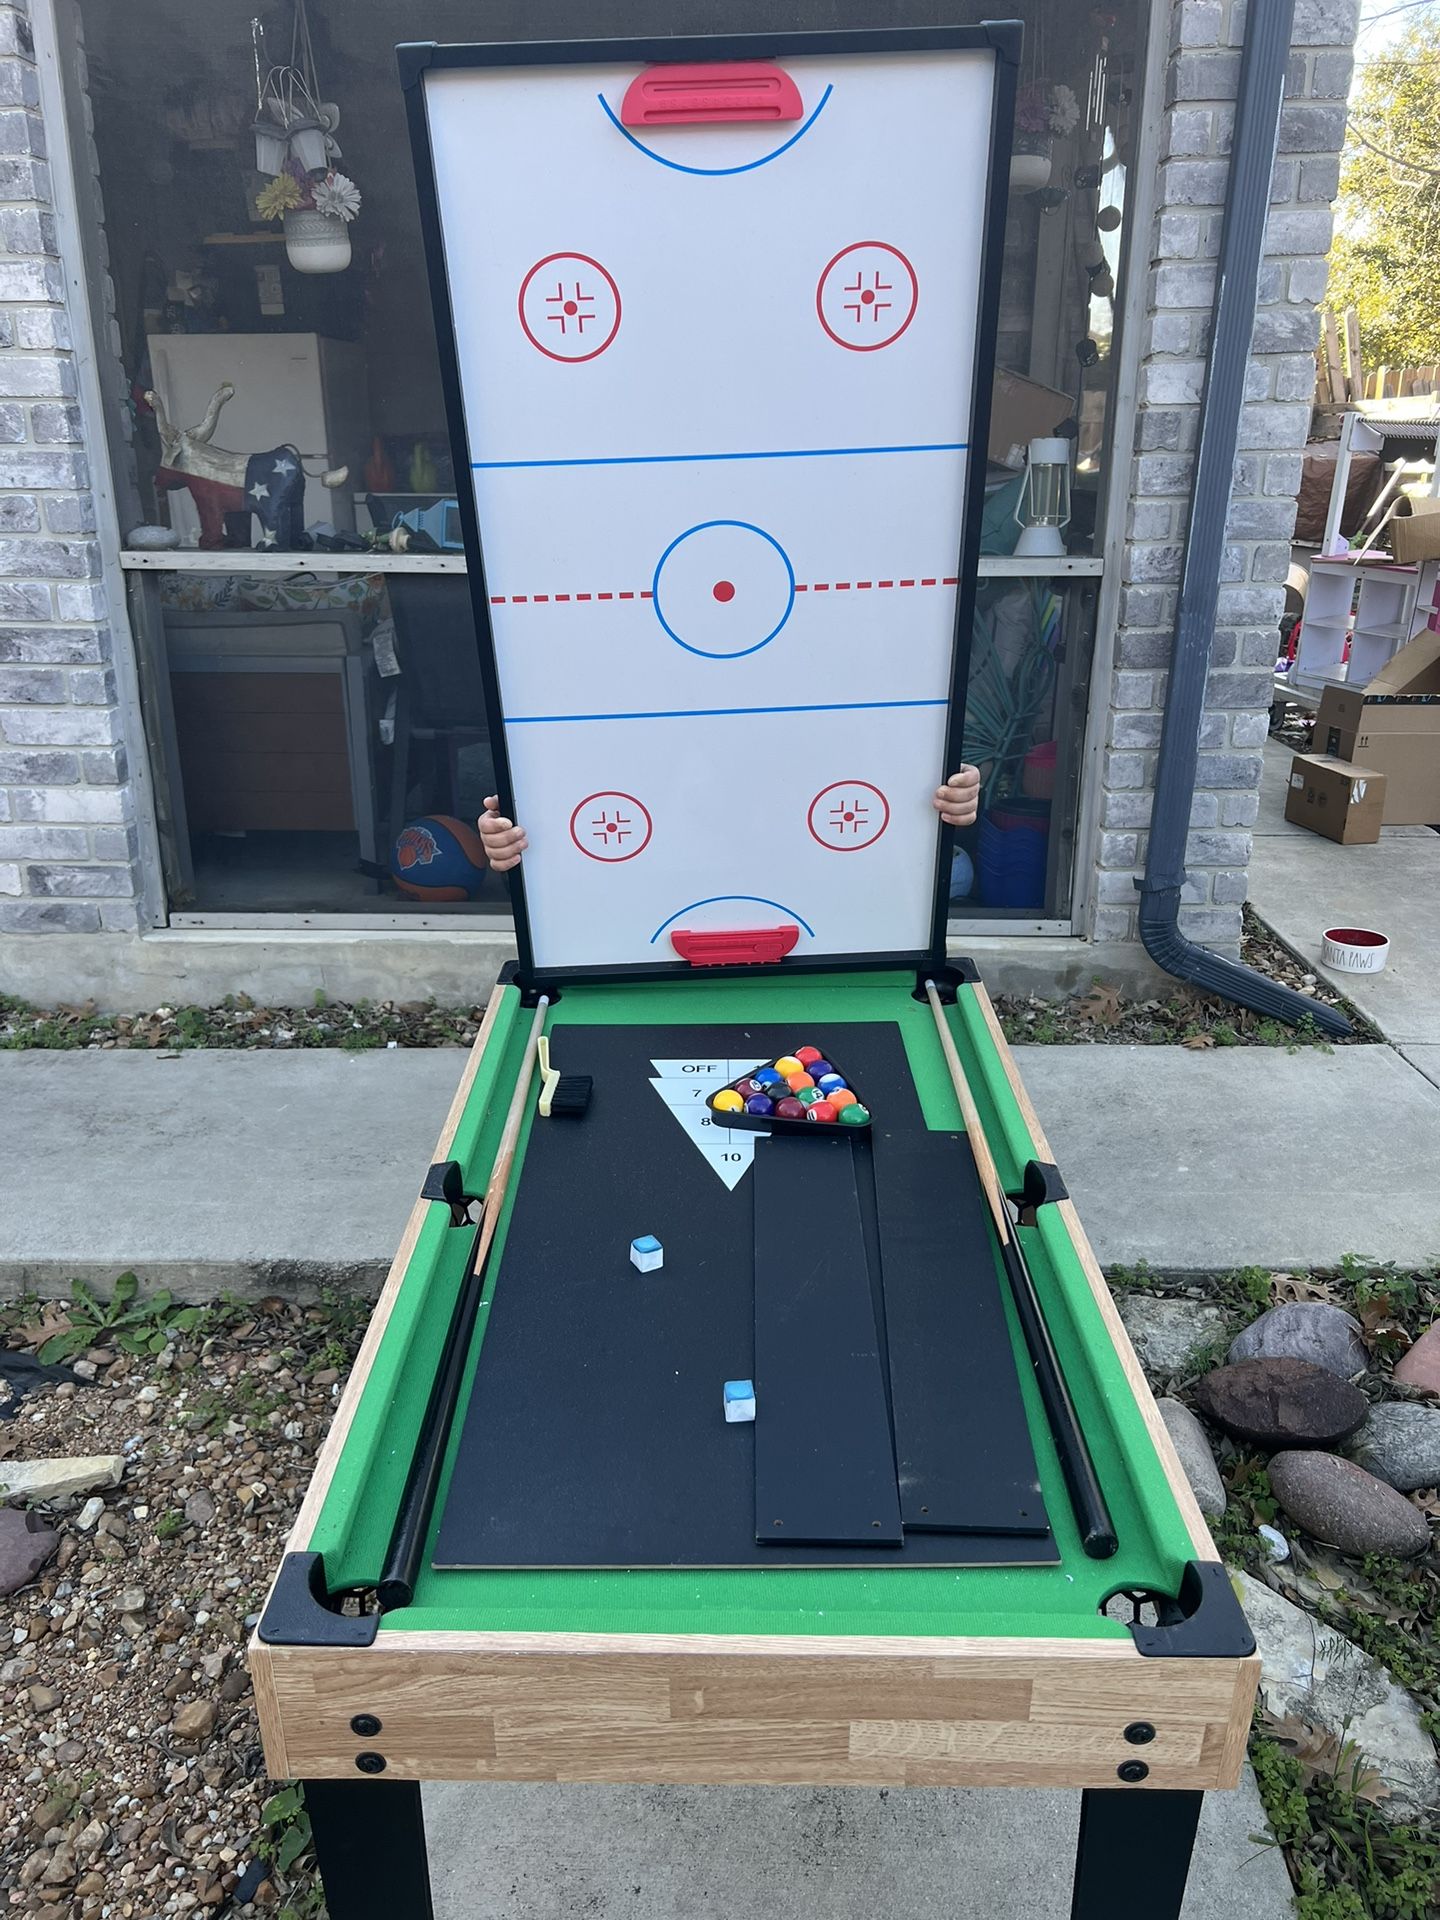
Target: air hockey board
716	386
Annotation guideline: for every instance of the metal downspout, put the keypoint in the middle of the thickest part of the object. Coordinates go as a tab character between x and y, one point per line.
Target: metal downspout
1263	61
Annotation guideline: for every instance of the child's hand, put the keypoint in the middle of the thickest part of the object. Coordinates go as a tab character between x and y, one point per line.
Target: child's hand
958	801
503	841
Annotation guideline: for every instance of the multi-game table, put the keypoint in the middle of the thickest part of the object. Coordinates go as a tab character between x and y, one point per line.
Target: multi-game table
716	323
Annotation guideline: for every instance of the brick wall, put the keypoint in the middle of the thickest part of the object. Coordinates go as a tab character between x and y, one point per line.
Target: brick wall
67	834
1202	70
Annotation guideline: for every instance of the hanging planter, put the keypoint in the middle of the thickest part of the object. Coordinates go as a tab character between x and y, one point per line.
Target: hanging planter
1030	167
316	242
307	145
270	147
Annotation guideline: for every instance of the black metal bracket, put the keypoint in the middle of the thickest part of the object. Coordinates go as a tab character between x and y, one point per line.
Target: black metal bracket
948	976
1040	1184
1204	1621
446	1181
511	976
302	1612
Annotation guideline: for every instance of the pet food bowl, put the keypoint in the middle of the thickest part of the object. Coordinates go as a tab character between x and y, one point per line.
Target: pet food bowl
1354	950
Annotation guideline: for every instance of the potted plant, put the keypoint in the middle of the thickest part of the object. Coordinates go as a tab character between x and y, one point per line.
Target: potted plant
316	209
1042	110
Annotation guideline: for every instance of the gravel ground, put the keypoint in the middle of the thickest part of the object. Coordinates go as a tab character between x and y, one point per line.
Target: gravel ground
134	1779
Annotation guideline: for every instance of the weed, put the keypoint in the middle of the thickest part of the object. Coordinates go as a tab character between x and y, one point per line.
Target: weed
170	1524
133	1324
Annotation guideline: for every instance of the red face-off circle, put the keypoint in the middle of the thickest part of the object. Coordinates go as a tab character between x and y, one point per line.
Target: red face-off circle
848	816
867	296
569	307
611	827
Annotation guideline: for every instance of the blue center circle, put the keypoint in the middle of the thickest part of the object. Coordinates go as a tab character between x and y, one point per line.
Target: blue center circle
668	620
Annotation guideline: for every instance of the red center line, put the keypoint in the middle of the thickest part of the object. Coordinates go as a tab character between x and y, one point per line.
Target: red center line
801	586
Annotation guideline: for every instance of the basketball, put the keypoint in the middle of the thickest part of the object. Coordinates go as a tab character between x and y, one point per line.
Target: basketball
437	858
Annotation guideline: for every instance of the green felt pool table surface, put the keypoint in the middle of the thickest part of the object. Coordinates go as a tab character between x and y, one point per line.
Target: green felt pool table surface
1156	1538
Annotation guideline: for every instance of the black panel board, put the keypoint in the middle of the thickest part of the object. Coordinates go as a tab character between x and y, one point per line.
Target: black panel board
962	1439
594	1434
824	1464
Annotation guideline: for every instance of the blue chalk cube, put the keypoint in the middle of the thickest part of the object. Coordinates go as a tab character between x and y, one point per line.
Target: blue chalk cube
739	1400
646	1253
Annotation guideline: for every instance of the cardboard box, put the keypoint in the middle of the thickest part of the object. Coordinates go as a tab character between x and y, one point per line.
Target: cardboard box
1415	530
1393	725
1333	797
1022	410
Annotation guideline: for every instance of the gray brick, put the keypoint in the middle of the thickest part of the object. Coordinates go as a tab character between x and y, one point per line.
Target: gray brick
19	513
1215	849
28	230
70	513
1285	330
43	843
80	602
54	646
12	425
1284	182
105	767
41	327
39	769
1143	647
115	843
1320	178
1193	183
1273	425
25	177
1126	809
1147	606
1132	692
29	686
27	375
1162	474
60	559
1270	286
1237	692
1119	850
1172	332
1255	519
9	877
1212	730
1295	76
1294	377
1188	131
1188	286
1196	24
1109	923
1134	730
1330	76
15	34
1222	647
51	421
1172	383
22	132
31	280
1249	729
1312	129
1229	770
1293	231
1161	429
1326	23
59	726
24	600
1130	770
1259	382
1261	649
46	470
1202	76
1228	888
93	688
1282	474
1151	520
1269	562
120	916
1115	888
73	806
1211	926
81	883
48	916
1239	809
1177	236
1153	563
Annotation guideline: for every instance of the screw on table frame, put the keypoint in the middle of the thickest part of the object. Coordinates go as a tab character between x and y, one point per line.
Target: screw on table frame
370	1847
1133	1855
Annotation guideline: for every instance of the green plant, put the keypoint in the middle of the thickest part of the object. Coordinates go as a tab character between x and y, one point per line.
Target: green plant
170	1524
133	1324
285	1843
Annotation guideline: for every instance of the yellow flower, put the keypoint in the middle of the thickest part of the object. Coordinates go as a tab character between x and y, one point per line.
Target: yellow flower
276	199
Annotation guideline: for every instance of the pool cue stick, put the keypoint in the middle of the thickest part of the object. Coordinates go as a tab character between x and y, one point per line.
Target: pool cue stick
396	1587
1092	1515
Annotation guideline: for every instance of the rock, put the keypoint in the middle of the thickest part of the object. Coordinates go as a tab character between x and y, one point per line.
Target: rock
42	1699
1310	1330
1195	1457
92	1838
1346	1507
1400	1444
1282	1403
200	1508
89	1513
1276	1545
130	1600
25	1545
1420	1367
1318	1675
196	1721
235	1685
1166	1333
53	1479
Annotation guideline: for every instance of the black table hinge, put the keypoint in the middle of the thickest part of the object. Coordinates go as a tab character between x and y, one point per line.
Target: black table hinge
1040	1184
446	1181
1204	1621
302	1612
947	976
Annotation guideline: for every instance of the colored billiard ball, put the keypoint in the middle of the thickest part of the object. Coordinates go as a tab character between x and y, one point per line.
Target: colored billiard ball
856	1116
786	1065
817	1069
790	1109
807	1055
759	1103
728	1101
746	1087
821	1110
767	1077
842	1097
807	1096
797	1082
830	1082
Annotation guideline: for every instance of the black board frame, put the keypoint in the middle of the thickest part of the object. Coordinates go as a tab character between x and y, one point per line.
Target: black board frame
1003	40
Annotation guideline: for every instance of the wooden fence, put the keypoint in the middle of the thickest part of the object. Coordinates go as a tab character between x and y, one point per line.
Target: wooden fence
1342	379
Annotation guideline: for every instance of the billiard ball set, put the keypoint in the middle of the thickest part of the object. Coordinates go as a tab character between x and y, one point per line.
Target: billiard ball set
797	1090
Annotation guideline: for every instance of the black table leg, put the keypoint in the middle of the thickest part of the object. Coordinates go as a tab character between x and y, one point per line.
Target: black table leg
1133	1858
370	1848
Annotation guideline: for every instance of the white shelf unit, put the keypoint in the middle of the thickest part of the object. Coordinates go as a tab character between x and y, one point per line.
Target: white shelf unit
1370	603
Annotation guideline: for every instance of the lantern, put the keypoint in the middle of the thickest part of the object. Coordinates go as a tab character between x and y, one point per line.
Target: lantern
1044	504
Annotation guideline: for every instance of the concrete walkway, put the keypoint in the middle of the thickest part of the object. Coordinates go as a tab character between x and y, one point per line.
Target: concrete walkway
1301	883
